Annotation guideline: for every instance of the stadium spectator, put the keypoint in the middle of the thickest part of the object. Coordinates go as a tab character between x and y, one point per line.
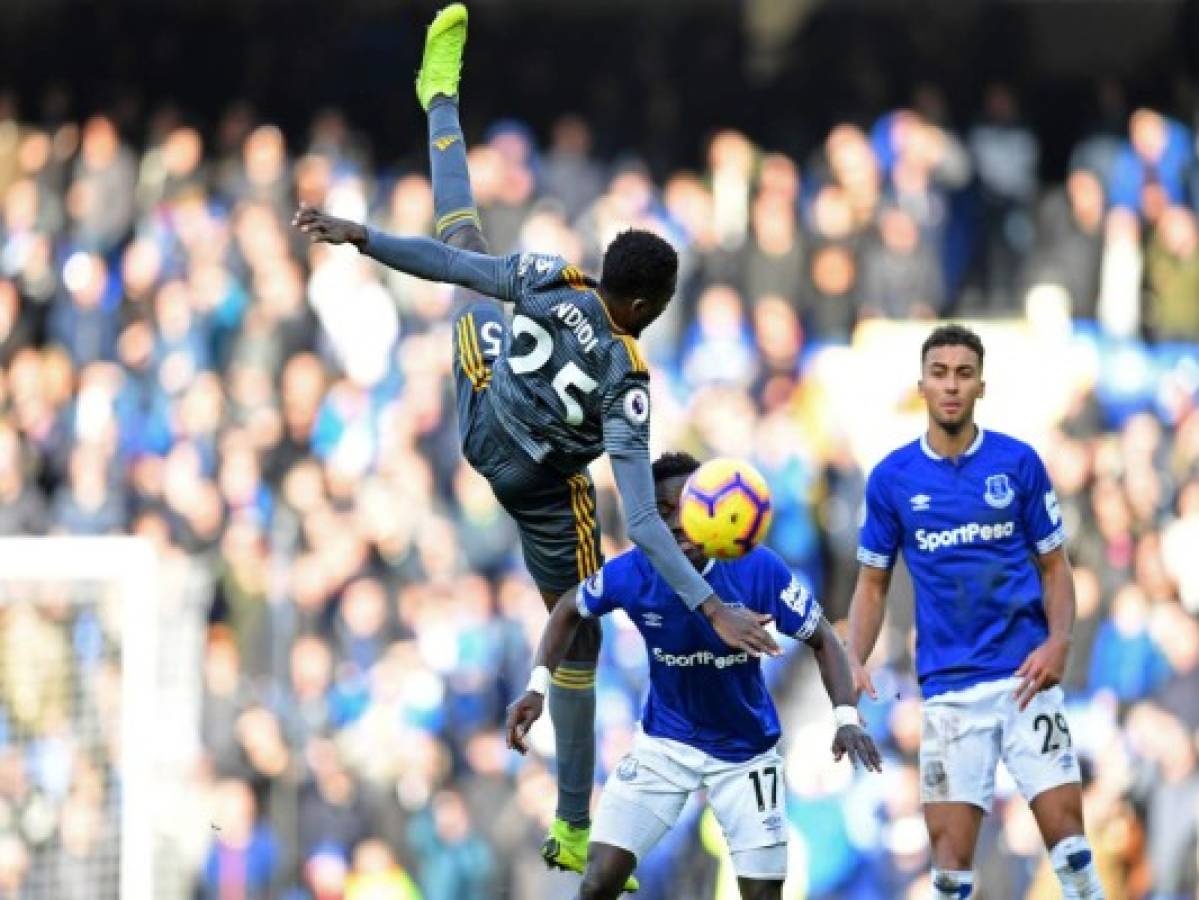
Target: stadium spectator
1006	153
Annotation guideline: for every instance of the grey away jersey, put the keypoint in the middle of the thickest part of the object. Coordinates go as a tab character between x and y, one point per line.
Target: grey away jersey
568	385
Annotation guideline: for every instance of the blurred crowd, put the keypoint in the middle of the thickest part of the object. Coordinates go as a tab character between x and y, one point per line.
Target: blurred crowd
277	419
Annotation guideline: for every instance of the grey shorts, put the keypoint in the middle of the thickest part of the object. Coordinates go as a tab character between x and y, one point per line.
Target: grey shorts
555	513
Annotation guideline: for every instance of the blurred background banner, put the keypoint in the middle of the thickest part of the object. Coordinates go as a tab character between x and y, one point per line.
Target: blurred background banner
336	615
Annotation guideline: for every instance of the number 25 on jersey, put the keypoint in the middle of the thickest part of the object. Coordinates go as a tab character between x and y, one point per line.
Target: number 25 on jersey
569	377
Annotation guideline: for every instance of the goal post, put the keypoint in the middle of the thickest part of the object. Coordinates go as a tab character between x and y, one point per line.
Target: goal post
92	570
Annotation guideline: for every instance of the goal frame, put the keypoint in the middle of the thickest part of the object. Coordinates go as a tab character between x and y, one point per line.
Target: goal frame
131	564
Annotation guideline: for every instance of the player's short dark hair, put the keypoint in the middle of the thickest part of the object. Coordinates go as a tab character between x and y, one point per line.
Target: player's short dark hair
672	465
639	264
953	336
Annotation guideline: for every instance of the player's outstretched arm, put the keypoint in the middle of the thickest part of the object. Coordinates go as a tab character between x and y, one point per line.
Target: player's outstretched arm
1045	666
555	640
741	629
835	672
423	257
865	622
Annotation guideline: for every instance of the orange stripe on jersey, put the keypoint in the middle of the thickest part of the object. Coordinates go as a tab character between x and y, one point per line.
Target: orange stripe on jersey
582	485
463	352
480	363
465	357
580	532
575	278
587	527
586	557
592	528
636	360
468	354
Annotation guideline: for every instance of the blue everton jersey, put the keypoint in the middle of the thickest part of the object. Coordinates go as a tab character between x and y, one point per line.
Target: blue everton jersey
702	692
969	531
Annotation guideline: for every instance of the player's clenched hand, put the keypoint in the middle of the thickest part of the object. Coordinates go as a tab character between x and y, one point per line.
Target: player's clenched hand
322	227
1041	669
862	682
521	716
741	628
854	740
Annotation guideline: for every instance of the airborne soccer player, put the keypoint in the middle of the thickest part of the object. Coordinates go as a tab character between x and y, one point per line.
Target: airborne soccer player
979	527
541	398
709	723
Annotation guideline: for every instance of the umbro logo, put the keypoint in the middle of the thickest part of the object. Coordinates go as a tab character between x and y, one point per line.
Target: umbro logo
444	143
920	502
652	620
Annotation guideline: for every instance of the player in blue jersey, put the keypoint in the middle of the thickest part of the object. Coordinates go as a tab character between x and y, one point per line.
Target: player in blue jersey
979	527
543	396
709	722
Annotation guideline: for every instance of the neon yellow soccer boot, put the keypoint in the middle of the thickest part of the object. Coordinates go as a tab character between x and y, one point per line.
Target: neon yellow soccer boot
441	66
565	847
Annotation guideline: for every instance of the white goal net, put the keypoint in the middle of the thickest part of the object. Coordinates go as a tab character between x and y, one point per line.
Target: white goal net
98	655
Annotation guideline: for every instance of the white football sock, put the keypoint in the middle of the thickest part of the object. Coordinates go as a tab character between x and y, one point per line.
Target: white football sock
952	884
1075	866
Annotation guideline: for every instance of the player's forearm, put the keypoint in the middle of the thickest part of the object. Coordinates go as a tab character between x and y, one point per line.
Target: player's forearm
658	544
434	261
866	614
635	482
559	632
833	662
1058	587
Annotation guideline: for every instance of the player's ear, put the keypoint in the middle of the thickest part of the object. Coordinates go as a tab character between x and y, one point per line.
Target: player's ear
982	388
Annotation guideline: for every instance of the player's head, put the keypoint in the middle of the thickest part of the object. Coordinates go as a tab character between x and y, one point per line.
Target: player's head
638	278
671	471
951	375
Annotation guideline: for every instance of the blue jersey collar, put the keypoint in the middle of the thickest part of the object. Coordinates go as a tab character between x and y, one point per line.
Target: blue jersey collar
933	454
707	567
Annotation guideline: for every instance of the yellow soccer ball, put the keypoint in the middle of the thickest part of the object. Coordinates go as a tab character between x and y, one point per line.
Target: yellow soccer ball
725	509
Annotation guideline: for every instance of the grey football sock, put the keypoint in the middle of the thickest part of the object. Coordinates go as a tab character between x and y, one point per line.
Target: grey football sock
572	710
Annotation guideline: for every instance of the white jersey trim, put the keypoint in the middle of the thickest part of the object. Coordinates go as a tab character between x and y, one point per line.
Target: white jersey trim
581	602
970	451
872	559
1052	541
811	623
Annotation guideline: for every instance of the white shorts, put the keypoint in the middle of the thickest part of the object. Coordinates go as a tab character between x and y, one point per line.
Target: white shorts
646	793
966	733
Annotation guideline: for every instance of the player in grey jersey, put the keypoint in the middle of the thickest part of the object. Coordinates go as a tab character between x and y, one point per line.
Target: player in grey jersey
541	397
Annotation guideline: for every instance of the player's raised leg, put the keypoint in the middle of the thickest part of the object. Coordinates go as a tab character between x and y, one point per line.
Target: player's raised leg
479	327
478	320
457	220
